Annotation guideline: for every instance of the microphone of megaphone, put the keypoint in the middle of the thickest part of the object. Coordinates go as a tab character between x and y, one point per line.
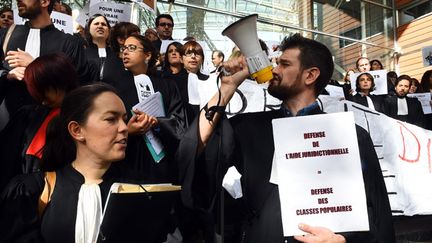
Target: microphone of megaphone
244	34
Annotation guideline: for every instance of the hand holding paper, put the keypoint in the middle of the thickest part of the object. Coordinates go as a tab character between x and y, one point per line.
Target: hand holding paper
140	123
318	234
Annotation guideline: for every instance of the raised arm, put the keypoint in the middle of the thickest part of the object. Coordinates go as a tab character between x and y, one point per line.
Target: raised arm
210	115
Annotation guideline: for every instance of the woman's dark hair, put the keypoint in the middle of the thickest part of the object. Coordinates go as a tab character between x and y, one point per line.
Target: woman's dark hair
147	47
377	61
54	71
416	83
179	48
5	9
122	30
87	34
372	88
426	83
60	147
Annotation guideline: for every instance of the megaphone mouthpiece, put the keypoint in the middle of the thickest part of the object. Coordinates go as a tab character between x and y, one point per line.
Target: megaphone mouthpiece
244	34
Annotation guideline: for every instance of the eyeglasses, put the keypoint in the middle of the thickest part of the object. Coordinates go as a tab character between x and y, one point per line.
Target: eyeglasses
130	48
166	24
189	53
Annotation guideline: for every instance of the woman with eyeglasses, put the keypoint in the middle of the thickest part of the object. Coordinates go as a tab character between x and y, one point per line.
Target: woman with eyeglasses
192	57
98	52
141	81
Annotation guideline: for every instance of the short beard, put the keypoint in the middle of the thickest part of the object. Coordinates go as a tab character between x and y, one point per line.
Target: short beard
284	93
31	12
401	96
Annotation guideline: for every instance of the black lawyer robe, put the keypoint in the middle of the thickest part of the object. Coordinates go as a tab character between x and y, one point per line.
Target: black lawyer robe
109	69
19	219
16	138
247	142
169	129
415	112
377	100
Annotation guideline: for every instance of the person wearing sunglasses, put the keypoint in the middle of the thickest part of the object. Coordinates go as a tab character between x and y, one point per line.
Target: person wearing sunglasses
164	28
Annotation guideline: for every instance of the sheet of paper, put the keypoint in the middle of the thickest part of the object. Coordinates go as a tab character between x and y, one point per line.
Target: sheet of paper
152	105
425	100
335	91
380	80
318	165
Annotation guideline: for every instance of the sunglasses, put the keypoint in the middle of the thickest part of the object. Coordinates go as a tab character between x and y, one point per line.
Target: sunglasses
166	24
130	48
189	53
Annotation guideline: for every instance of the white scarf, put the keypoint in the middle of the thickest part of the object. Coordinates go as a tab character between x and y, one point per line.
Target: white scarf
89	214
402	107
370	103
33	43
102	52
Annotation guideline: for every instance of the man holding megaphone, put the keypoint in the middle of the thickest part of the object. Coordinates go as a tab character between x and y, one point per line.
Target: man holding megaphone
213	143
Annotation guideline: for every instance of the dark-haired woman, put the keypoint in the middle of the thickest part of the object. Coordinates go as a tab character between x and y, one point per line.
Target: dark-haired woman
119	33
376	65
89	135
6	18
192	55
364	86
98	52
141	81
48	78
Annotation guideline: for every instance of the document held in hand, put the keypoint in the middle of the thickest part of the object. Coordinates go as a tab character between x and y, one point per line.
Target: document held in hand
319	173
138	213
153	106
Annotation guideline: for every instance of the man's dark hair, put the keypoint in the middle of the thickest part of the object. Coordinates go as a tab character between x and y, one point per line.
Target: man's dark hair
51	5
166	16
219	54
263	46
312	54
403	77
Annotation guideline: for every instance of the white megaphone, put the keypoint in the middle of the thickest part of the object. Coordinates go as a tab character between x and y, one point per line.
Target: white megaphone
244	34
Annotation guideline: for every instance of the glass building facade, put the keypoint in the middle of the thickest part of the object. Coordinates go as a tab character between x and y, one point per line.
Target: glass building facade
349	28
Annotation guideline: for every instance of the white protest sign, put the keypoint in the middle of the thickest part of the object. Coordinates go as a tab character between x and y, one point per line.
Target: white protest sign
62	22
321	171
248	97
425	100
114	12
380	80
404	151
427	56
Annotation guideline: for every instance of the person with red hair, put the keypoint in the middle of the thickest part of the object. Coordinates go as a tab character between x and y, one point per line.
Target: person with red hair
48	78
